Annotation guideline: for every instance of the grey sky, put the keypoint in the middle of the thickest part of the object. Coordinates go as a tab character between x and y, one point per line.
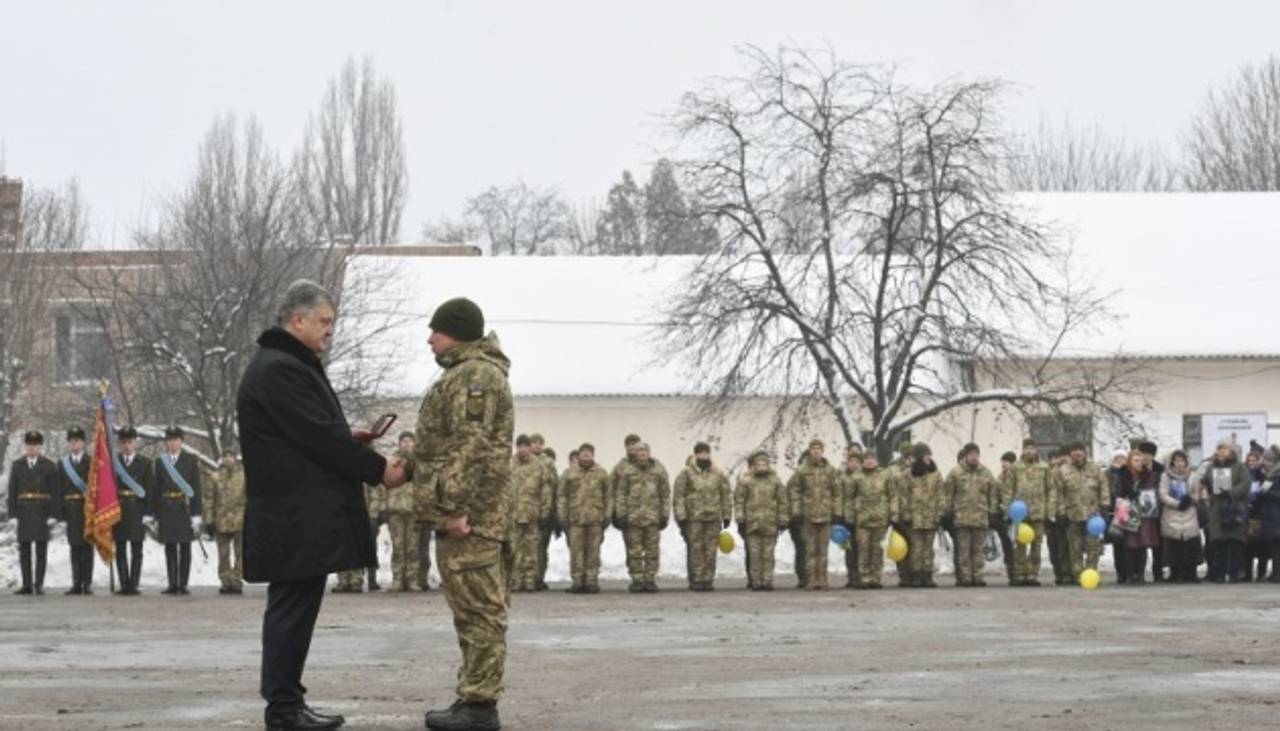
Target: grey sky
119	93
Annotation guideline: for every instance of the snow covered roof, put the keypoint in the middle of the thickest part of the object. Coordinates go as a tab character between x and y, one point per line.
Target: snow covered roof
1185	269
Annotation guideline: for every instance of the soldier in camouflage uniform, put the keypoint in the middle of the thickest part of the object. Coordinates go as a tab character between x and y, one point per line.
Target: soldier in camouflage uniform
531	497
1028	481
703	506
642	508
1080	491
375	500
870	505
224	501
922	506
401	507
898	475
852	467
1056	527
762	510
620	470
1000	520
584	504
972	494
550	528
463	453
815	500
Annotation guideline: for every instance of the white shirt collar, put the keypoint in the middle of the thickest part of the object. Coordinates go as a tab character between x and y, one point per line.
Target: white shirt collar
31	462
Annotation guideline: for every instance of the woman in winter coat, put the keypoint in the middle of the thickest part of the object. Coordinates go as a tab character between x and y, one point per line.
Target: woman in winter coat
1179	524
1268	505
1137	484
1255	547
1227	482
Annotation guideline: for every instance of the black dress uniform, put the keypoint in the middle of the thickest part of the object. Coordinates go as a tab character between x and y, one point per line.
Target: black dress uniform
130	532
71	511
173	511
32	490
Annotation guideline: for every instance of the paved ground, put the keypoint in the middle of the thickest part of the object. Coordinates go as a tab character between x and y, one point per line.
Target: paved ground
1118	658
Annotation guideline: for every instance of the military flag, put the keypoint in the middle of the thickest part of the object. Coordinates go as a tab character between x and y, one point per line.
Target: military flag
102	501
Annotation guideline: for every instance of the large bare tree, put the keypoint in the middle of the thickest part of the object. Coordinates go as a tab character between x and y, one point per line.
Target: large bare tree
1068	158
351	167
870	267
1234	139
515	220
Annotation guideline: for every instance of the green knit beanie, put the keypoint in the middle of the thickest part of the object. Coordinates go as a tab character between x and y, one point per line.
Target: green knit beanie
459	318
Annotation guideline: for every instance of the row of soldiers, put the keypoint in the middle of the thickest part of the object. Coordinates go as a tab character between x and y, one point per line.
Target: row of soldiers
168	498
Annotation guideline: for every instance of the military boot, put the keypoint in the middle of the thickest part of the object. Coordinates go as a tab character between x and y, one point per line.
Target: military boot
26	577
76	587
463	716
373	580
42	562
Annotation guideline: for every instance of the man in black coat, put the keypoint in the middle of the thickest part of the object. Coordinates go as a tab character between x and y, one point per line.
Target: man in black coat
32	489
73	483
134	485
305	515
175	505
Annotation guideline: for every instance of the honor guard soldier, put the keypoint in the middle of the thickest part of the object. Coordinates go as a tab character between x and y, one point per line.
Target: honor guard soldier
73	474
175	505
32	489
134	482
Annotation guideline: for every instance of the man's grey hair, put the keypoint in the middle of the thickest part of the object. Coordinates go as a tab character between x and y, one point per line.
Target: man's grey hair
302	295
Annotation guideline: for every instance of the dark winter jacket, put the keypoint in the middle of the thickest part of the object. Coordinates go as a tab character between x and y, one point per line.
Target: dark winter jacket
1228	507
1268	506
304	473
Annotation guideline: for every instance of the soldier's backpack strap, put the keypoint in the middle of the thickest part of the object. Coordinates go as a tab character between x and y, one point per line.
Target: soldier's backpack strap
128	480
178	479
73	475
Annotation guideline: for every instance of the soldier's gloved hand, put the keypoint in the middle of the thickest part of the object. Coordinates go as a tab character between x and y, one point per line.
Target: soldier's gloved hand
210	530
196	524
797	524
620	523
994	521
382	517
726	524
663	524
742	530
52	522
684	529
557	532
605	525
147	520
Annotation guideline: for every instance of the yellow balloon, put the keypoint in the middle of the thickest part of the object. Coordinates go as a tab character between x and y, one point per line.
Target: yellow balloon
1026	534
897	548
1089	579
726	542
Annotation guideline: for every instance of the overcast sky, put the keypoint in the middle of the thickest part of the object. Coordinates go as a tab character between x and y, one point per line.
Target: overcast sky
118	94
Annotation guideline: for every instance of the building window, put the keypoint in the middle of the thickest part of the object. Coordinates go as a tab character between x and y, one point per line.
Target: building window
1051	432
81	349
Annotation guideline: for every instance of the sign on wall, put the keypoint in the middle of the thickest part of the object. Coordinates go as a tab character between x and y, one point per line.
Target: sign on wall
1239	428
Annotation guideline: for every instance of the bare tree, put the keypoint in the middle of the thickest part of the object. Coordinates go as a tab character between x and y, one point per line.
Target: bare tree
53	220
351	167
520	220
1234	139
871	267
1068	158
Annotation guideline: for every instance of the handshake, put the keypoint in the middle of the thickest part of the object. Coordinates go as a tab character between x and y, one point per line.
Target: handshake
395	473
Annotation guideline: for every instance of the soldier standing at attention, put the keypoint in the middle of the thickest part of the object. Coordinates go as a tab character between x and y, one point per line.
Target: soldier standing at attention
871	506
225	509
584	504
1028	481
550	528
1081	491
464	450
703	506
402	524
642	508
899	476
972	494
176	506
531	496
815	501
852	468
620	470
135	480
73	474
33	488
924	513
762	510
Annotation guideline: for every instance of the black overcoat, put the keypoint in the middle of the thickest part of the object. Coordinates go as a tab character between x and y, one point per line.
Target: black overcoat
32	491
132	507
70	500
171	506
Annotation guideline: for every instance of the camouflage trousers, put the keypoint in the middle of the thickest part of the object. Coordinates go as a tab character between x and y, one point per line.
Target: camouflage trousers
231	575
1083	548
920	559
474	573
814	537
410	553
760	558
584	554
642	552
870	557
702	540
1027	558
524	541
968	554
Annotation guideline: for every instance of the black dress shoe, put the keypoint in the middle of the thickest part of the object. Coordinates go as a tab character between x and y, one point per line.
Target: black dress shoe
301	718
87	591
24	591
73	591
323	717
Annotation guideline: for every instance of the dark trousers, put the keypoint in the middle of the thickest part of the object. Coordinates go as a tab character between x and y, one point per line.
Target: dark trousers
81	566
33	575
1059	555
1226	560
1006	549
1135	563
287	624
1182	558
129	563
177	561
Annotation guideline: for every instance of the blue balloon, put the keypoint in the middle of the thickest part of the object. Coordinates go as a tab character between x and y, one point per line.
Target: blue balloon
839	535
1017	511
1096	526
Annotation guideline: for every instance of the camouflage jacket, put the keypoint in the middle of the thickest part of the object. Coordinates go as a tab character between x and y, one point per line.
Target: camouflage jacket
702	496
760	504
553	484
584	497
814	492
616	476
464	439
1078	492
922	503
531	491
224	500
972	496
644	495
403	500
869	501
1028	482
898	480
375	497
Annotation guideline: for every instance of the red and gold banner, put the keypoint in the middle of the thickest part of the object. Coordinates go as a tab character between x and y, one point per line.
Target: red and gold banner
102	502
